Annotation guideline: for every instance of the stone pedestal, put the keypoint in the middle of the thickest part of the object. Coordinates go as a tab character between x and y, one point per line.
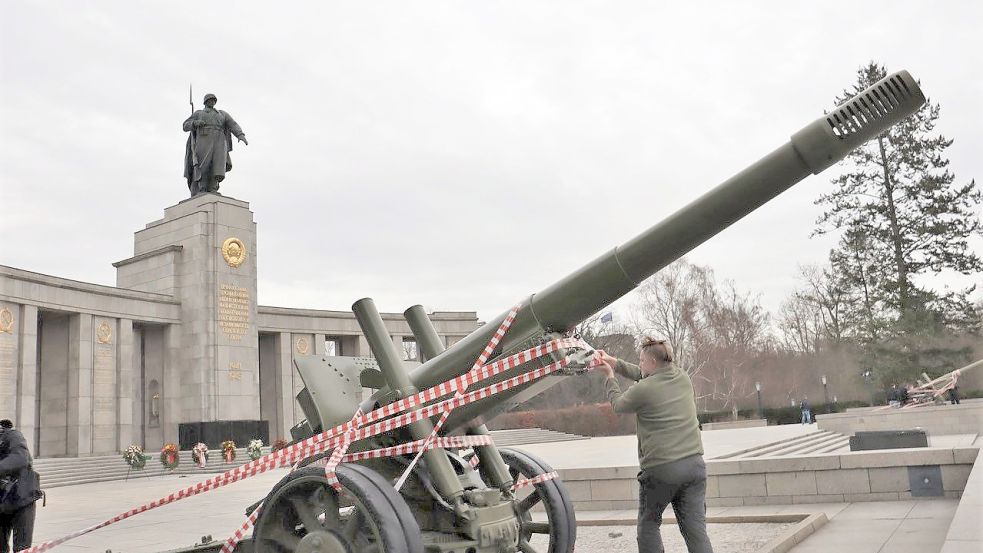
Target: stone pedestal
203	252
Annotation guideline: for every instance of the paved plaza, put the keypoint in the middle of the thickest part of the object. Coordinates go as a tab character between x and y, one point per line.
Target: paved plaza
890	526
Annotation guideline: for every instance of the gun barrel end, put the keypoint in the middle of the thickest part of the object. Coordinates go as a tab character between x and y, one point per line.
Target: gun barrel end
867	114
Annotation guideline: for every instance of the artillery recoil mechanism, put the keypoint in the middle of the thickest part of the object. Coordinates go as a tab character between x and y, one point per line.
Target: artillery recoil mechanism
444	501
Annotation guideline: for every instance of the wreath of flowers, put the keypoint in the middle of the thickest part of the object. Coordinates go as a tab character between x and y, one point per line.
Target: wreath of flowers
279	444
255	449
169	456
229	450
199	454
134	457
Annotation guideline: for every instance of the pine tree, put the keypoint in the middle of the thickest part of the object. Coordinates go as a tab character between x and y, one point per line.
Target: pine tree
901	216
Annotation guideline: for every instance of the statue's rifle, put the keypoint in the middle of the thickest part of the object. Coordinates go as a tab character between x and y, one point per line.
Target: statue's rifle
194	139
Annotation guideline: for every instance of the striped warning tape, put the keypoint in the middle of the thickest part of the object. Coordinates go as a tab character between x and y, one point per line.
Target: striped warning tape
539	479
384	419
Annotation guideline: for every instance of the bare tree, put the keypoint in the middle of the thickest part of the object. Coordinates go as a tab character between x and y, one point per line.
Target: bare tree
716	331
668	306
800	324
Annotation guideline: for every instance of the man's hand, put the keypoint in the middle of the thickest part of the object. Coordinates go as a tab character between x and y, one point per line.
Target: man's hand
197	123
605	369
607	358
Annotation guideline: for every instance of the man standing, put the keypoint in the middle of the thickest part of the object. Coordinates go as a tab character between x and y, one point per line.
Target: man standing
953	392
670	450
18	489
206	158
806	411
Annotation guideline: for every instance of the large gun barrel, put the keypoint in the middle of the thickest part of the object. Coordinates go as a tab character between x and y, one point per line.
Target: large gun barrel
566	303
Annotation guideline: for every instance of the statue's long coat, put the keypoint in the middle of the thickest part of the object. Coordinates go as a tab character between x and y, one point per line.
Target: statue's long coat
211	143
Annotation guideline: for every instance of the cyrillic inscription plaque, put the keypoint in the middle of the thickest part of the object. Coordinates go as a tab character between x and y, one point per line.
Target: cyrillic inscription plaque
233	310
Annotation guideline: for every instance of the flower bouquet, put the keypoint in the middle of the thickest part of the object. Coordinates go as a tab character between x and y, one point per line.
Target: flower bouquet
169	456
200	454
255	449
229	451
134	457
279	444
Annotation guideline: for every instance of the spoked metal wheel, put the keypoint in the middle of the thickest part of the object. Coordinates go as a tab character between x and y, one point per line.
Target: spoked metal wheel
561	523
304	514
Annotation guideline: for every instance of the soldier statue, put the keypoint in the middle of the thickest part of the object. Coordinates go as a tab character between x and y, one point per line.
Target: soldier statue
206	158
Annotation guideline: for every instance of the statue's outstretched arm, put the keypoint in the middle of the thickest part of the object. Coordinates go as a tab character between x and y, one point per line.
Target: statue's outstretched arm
234	128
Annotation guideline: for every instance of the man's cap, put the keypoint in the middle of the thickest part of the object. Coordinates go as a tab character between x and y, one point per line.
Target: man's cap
212	96
6	423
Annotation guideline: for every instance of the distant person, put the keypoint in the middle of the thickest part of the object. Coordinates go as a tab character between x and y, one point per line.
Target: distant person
806	411
894	396
903	395
670	449
953	392
18	490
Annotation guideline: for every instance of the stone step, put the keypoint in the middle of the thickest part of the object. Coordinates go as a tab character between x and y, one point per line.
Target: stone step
767	448
521	436
67	471
808	447
61	471
842	445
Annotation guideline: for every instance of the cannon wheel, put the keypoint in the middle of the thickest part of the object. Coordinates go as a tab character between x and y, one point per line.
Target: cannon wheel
367	517
561	522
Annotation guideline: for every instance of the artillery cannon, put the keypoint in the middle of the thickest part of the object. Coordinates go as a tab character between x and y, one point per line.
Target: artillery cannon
444	503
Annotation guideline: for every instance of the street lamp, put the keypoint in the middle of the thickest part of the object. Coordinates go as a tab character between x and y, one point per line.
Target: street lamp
826	394
869	380
761	413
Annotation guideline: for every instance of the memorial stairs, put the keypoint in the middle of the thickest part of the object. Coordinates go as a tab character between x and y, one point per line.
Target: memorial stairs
69	471
521	436
821	441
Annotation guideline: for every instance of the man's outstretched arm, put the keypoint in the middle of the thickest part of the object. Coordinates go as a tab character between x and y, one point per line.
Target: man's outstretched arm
622	402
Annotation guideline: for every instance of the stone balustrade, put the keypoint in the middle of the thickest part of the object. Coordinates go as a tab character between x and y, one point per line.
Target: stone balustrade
883	475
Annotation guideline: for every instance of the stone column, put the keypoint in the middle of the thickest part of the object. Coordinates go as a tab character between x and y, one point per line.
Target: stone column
290	413
363	347
79	433
319	344
125	374
180	397
27	380
398	342
105	383
10	333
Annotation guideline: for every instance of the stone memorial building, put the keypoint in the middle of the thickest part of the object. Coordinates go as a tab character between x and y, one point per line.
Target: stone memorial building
178	343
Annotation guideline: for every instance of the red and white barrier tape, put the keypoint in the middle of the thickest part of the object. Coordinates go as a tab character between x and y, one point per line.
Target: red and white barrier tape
342	435
486	353
534	480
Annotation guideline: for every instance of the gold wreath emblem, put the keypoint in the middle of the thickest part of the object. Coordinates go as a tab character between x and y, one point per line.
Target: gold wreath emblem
234	252
104	334
302	346
6	321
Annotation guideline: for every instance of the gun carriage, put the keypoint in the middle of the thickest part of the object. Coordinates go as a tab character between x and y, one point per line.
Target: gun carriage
443	502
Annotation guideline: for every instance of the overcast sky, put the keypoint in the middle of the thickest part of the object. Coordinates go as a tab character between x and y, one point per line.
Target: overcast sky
456	154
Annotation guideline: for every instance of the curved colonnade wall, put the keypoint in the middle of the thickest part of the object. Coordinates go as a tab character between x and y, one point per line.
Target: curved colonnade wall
88	369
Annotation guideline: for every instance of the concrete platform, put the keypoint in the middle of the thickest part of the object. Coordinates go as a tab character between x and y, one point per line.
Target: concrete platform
914	526
875	524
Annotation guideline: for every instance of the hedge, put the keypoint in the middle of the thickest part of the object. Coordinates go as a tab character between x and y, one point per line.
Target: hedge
599	419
